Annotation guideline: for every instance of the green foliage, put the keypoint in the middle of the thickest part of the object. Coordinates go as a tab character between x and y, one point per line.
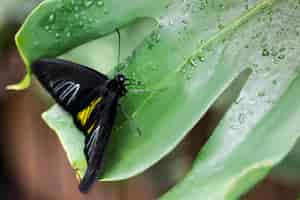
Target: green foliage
195	51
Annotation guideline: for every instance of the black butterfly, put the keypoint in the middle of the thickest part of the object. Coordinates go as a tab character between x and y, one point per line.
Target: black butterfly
91	98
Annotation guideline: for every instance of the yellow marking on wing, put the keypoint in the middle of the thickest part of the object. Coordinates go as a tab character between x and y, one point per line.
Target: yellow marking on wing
91	128
84	115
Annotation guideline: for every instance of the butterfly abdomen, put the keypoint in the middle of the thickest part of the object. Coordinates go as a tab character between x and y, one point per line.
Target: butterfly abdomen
96	143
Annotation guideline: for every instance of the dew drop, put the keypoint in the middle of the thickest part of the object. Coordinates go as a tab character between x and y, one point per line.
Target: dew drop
281	57
184	21
57	35
193	62
52	18
189	76
221	26
88	3
265	52
201	42
100	3
201	58
81	24
273	52
238	100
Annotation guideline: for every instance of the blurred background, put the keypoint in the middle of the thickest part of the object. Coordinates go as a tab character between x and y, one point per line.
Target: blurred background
34	166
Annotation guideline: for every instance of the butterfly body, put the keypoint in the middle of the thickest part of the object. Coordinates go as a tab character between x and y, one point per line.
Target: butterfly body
92	100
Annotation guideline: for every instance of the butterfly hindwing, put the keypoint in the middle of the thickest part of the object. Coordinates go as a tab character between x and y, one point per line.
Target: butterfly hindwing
67	82
98	137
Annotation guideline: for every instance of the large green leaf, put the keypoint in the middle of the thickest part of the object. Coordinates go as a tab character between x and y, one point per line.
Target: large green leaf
287	170
56	26
196	51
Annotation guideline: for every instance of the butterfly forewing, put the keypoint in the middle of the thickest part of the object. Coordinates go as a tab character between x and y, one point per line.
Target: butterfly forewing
67	82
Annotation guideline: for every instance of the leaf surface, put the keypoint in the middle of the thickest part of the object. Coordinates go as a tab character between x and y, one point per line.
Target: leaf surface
198	48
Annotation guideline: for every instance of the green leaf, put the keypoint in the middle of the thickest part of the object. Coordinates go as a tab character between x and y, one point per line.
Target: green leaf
287	170
194	54
242	163
56	26
262	126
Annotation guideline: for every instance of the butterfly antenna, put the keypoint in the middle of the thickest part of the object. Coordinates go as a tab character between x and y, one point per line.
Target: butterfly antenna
119	45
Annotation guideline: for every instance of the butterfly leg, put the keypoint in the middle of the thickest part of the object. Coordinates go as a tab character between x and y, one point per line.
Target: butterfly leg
139	91
131	120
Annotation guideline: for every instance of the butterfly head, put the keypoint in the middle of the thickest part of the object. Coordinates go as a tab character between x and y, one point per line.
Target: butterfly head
118	84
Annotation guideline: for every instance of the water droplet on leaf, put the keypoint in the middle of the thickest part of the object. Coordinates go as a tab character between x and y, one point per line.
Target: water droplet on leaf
57	35
193	61
265	52
88	3
201	58
100	3
281	57
221	26
51	18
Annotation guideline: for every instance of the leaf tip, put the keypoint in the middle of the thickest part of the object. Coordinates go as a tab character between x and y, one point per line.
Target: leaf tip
22	85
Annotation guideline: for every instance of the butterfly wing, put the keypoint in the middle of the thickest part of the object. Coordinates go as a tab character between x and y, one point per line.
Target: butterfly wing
67	82
82	92
96	142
